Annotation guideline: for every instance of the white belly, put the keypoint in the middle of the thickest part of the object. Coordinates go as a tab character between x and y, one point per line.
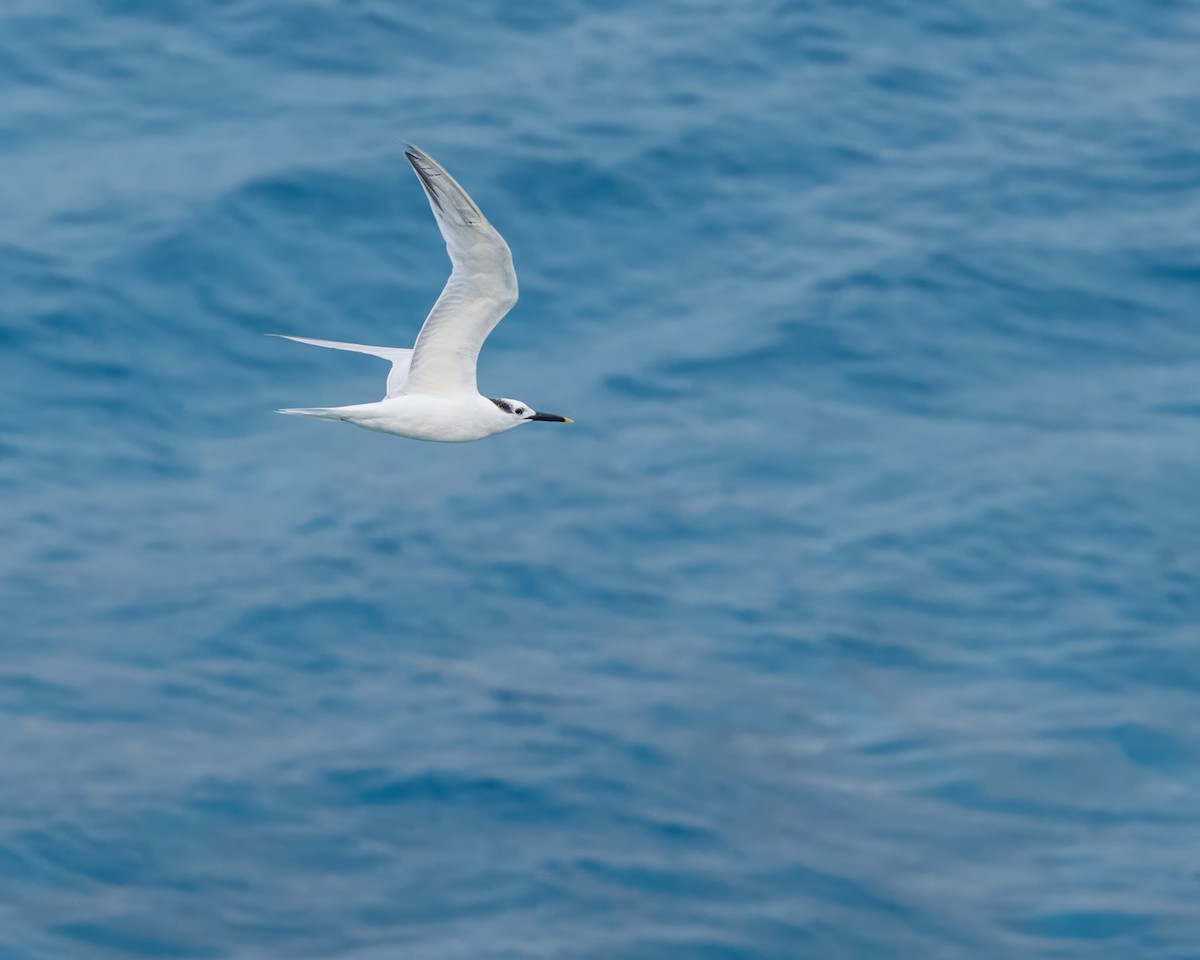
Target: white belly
423	417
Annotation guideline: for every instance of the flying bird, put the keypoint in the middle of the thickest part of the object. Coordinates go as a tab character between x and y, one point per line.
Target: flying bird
431	389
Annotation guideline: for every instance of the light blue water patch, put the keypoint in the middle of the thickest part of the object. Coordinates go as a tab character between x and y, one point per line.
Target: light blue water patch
856	614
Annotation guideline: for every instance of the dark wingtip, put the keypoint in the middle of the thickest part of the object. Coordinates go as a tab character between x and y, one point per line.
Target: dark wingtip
420	163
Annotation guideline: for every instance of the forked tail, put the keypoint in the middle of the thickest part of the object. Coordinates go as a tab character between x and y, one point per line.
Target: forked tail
400	357
318	413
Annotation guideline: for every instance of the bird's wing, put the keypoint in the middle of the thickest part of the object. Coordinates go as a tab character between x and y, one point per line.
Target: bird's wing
400	357
482	287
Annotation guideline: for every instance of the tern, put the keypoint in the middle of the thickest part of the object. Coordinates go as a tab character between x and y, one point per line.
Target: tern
431	389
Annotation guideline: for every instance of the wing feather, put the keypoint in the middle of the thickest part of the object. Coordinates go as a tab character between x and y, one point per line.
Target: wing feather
482	287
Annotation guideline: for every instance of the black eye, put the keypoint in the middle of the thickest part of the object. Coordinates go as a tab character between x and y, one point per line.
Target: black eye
520	410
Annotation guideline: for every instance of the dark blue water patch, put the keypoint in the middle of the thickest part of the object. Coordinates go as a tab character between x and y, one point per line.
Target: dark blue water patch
1089	926
233	801
916	82
834	888
358	42
1190	410
674	832
90	858
298	634
502	799
648	388
1150	748
14	865
587	191
974	797
129	938
705	948
660	882
24	695
884	654
713	164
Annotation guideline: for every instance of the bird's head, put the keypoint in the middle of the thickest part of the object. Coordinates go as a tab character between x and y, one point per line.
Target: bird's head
518	412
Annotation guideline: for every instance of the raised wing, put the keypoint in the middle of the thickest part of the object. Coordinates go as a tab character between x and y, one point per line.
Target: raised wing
482	287
399	356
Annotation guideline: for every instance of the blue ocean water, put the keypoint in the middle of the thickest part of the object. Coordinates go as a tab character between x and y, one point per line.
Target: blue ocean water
856	616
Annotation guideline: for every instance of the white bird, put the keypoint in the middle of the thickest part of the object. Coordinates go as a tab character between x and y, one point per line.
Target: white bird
431	390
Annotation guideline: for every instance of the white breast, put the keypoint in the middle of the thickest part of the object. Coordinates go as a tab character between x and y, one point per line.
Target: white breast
456	419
